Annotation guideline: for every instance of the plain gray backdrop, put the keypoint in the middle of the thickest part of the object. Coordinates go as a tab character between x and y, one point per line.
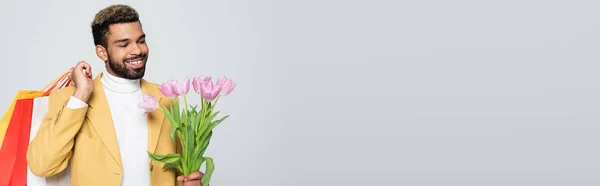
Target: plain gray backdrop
354	93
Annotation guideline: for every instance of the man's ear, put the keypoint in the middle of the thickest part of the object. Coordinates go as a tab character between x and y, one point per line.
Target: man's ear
101	52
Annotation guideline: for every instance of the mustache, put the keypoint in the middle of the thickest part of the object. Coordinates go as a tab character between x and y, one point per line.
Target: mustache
141	56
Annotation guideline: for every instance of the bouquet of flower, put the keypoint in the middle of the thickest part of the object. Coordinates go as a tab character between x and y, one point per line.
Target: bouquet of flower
193	126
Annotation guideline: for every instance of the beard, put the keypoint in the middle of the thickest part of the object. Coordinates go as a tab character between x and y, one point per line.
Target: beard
120	68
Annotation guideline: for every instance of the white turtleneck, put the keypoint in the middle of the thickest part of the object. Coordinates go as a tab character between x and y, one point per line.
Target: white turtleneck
130	124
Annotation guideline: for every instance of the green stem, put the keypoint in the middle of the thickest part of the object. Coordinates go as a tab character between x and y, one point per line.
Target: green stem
202	112
216	100
186	103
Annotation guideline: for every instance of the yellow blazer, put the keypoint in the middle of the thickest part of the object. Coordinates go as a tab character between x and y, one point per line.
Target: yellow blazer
86	139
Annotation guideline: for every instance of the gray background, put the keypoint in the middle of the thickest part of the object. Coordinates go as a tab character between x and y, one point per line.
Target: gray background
386	93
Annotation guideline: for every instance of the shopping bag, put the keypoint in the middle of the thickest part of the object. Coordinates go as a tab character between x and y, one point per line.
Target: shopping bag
62	81
14	149
16	140
22	94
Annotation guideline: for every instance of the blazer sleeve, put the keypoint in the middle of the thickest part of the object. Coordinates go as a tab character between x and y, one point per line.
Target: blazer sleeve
51	149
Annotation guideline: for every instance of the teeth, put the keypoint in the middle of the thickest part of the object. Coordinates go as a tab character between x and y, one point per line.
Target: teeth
135	62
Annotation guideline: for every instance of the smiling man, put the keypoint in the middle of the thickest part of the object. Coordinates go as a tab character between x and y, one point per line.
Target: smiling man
96	126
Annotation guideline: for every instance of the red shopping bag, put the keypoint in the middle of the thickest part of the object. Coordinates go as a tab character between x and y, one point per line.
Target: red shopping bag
16	139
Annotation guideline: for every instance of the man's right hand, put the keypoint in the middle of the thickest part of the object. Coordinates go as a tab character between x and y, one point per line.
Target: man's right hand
84	84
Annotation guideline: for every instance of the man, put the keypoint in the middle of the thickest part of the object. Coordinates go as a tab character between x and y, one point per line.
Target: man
96	126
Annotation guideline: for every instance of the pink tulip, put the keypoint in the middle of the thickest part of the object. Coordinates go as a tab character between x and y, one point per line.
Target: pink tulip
149	103
199	81
168	89
227	85
209	91
181	87
205	79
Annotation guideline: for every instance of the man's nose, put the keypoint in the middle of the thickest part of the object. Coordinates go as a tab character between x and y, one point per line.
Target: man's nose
136	50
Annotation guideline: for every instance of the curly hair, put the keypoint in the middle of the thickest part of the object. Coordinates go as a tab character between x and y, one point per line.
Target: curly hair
111	15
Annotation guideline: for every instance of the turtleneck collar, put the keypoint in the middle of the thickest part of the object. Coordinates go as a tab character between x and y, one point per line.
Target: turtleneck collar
120	85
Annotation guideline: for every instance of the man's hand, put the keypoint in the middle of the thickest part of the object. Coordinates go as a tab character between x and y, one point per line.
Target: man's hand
194	179
84	84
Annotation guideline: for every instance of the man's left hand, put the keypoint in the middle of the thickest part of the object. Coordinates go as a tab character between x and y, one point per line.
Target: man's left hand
194	179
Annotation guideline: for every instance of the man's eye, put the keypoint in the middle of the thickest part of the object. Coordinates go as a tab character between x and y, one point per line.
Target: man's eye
143	41
123	46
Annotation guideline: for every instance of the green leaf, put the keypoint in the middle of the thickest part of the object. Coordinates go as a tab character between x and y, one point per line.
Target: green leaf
210	167
184	141
165	110
199	162
211	117
169	115
174	124
173	162
184	118
186	170
191	144
173	159
205	125
180	167
194	109
194	122
180	133
173	132
169	158
200	121
212	126
205	144
203	130
175	112
171	165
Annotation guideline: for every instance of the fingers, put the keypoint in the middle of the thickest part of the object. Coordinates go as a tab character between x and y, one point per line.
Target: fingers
88	72
81	65
194	176
85	68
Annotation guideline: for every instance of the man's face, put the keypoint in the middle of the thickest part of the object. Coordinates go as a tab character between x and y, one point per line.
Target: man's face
126	50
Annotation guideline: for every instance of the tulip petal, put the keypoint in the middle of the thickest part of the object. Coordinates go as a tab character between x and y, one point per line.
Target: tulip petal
227	85
167	89
181	87
149	103
209	91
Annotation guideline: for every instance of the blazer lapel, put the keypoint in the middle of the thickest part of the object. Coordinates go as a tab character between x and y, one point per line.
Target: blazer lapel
100	116
101	119
155	118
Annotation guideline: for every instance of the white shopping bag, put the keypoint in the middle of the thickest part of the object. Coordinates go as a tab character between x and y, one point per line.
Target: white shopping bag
39	110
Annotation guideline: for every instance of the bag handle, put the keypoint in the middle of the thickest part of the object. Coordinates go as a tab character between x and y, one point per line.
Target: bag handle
55	81
62	81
